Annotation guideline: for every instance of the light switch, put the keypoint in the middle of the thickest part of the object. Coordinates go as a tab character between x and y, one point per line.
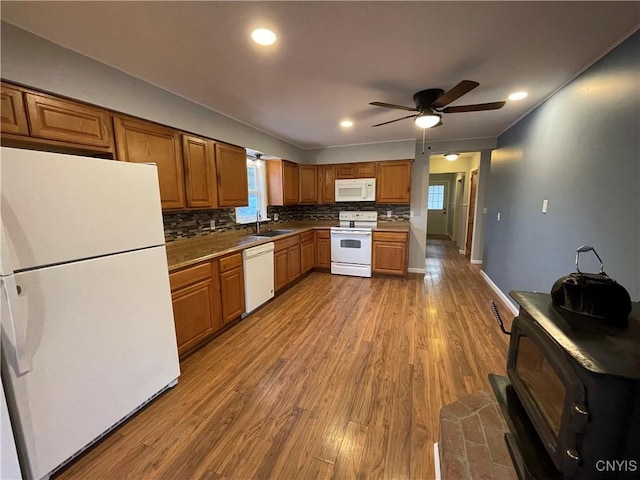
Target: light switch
498	216
544	206
484	211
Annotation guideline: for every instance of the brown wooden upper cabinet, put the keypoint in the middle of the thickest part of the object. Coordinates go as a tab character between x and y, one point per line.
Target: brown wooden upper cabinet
32	119
201	184
14	115
356	170
326	184
231	170
145	142
67	121
308	183
393	184
282	182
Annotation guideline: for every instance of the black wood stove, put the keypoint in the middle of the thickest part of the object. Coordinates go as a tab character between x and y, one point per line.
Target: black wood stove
571	397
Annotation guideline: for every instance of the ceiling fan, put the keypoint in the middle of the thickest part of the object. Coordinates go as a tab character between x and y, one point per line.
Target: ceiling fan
432	103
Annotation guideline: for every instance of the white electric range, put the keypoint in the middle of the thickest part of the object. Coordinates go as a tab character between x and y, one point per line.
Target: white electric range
351	244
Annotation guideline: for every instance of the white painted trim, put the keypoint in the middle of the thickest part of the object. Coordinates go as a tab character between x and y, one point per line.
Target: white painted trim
476	262
416	270
436	461
499	292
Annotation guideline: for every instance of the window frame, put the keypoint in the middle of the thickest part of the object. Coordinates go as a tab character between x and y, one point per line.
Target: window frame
261	192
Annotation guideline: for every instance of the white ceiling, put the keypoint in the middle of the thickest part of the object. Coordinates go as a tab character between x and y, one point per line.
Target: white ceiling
333	58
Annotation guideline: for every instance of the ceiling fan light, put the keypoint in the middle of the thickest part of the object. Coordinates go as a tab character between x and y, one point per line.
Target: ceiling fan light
427	120
451	156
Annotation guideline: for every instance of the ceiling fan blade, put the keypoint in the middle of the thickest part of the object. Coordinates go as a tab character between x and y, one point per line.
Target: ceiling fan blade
396	120
464	87
474	108
391	105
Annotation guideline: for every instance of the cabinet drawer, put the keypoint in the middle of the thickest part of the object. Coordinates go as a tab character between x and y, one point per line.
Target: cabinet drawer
306	237
390	236
325	233
231	262
190	275
287	242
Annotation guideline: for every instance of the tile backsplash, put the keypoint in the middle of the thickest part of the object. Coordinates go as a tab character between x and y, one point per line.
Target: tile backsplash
187	224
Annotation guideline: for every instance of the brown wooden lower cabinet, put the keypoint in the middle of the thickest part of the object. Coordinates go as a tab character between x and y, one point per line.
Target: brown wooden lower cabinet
231	287
286	261
307	251
195	294
389	253
323	249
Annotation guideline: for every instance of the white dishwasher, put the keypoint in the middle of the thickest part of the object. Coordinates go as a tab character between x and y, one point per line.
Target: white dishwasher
258	276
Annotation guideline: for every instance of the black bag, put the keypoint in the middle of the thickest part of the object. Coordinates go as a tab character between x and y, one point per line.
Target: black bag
592	294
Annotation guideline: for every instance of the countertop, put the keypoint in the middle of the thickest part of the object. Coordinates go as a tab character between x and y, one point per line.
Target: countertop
190	251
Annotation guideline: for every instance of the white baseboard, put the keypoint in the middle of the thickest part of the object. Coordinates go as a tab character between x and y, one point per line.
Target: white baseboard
499	292
476	262
436	461
415	270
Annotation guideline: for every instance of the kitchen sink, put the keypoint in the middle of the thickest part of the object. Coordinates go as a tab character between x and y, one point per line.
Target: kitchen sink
273	233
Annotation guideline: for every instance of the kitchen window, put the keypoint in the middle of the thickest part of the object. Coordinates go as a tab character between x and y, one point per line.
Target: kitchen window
257	180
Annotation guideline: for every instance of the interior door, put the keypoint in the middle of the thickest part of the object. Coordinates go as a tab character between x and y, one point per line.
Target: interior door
437	201
472	213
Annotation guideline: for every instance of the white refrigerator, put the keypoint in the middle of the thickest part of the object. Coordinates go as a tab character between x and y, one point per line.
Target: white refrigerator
87	324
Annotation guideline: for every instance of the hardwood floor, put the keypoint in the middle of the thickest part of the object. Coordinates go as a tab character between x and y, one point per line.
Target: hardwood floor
338	377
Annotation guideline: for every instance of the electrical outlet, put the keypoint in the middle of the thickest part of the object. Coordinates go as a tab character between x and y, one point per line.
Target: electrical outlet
212	225
498	216
388	213
545	204
275	217
411	213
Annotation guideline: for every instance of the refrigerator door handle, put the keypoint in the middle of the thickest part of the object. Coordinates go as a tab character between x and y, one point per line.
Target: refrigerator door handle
16	326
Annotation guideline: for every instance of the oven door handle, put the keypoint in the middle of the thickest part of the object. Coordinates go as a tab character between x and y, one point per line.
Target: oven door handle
350	232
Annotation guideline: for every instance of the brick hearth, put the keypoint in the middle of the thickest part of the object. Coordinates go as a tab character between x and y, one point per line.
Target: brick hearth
471	442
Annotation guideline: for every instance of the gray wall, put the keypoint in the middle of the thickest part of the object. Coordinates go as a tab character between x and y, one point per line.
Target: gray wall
581	151
36	62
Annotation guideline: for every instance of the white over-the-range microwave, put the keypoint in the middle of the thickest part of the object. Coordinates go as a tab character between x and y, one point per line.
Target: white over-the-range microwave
356	190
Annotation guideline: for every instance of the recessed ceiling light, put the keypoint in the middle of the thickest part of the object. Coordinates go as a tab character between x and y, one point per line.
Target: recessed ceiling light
451	156
518	95
346	123
263	36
